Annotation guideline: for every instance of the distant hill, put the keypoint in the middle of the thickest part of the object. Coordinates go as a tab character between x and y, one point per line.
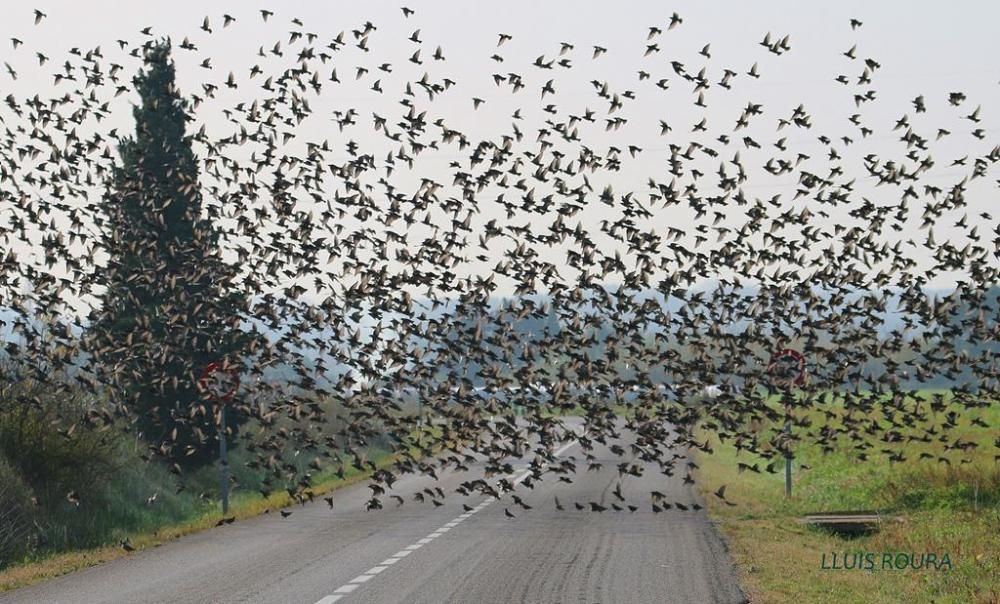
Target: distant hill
533	328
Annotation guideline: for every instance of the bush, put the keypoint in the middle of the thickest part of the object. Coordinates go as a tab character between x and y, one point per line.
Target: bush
42	438
16	526
48	453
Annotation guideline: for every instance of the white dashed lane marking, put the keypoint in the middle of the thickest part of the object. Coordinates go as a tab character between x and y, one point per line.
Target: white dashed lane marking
369	574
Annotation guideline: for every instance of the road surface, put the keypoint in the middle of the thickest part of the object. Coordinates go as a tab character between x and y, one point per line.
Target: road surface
421	553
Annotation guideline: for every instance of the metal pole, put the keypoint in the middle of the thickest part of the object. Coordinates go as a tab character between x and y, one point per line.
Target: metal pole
223	463
788	461
788	446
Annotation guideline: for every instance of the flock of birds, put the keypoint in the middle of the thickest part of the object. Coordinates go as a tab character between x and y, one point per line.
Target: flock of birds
432	289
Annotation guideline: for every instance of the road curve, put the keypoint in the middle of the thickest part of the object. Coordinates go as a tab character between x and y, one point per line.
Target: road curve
421	553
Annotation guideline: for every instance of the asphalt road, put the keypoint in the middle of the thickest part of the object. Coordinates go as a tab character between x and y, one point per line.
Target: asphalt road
420	553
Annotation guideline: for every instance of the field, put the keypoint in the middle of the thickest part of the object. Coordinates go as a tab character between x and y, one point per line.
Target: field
932	507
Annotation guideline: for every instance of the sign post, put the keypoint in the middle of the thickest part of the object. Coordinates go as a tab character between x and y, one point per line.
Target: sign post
223	462
787	369
788	457
219	382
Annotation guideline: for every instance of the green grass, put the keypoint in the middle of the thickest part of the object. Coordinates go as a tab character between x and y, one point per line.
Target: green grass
953	509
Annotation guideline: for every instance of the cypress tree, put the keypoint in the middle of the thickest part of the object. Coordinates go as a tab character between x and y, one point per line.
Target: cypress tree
170	307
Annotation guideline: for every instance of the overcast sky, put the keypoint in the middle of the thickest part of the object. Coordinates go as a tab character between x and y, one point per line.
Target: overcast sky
924	48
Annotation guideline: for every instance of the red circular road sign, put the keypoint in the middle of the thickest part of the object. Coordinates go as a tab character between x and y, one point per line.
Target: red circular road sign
219	381
787	367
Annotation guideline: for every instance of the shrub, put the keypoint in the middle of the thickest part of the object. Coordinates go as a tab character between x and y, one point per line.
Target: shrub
16	526
41	438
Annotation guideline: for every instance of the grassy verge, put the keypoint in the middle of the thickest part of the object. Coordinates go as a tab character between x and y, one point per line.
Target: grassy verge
953	509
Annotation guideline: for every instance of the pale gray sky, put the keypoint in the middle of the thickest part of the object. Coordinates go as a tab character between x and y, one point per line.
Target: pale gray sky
924	48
